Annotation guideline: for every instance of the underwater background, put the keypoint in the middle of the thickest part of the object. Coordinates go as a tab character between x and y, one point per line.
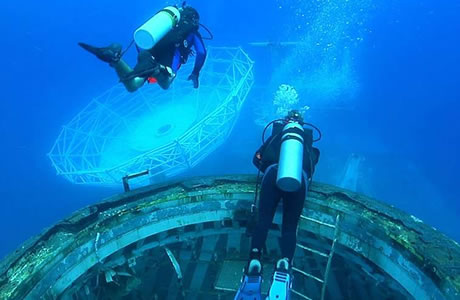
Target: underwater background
381	79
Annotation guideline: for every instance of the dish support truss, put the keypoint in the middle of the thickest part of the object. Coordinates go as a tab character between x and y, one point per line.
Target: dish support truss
76	154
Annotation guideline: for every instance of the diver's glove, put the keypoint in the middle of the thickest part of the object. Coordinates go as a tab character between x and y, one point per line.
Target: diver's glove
194	78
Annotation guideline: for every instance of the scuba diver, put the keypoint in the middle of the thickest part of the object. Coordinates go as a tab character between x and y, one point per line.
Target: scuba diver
287	159
164	43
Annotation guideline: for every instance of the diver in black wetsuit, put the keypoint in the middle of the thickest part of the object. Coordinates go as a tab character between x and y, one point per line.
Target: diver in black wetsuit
160	63
267	160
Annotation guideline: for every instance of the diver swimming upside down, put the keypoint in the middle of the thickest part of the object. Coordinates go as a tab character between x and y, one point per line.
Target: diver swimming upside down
164	43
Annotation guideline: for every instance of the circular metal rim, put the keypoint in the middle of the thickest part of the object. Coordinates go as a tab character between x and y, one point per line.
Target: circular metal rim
398	243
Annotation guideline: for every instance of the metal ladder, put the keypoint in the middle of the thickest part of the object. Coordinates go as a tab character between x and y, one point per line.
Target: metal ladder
323	281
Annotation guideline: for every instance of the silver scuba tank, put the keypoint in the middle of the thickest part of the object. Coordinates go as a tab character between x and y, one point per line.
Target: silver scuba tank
290	165
150	33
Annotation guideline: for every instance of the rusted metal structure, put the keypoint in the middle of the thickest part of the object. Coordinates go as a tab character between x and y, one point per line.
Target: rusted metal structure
187	240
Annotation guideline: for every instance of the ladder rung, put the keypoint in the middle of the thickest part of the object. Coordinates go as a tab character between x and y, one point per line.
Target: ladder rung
301	295
312	250
308	275
317	221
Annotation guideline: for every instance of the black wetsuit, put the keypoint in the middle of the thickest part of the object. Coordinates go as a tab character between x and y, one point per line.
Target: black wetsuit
174	52
270	194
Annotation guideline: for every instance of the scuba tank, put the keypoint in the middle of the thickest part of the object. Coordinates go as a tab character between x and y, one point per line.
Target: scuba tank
157	27
290	165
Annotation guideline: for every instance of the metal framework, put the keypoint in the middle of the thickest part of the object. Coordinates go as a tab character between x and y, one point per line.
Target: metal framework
95	147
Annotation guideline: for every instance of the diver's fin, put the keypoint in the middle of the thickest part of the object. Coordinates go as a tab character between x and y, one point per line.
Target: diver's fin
280	288
110	54
251	283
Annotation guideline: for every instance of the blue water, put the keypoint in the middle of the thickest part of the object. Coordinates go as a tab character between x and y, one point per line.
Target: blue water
381	78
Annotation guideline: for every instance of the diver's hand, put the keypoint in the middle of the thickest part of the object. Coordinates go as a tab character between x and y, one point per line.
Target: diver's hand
257	160
194	78
258	156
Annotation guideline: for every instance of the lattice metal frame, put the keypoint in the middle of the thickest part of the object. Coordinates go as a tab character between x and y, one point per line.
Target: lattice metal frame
227	77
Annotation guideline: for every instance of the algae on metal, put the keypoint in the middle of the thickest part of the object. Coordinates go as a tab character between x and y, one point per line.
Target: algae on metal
435	253
20	272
